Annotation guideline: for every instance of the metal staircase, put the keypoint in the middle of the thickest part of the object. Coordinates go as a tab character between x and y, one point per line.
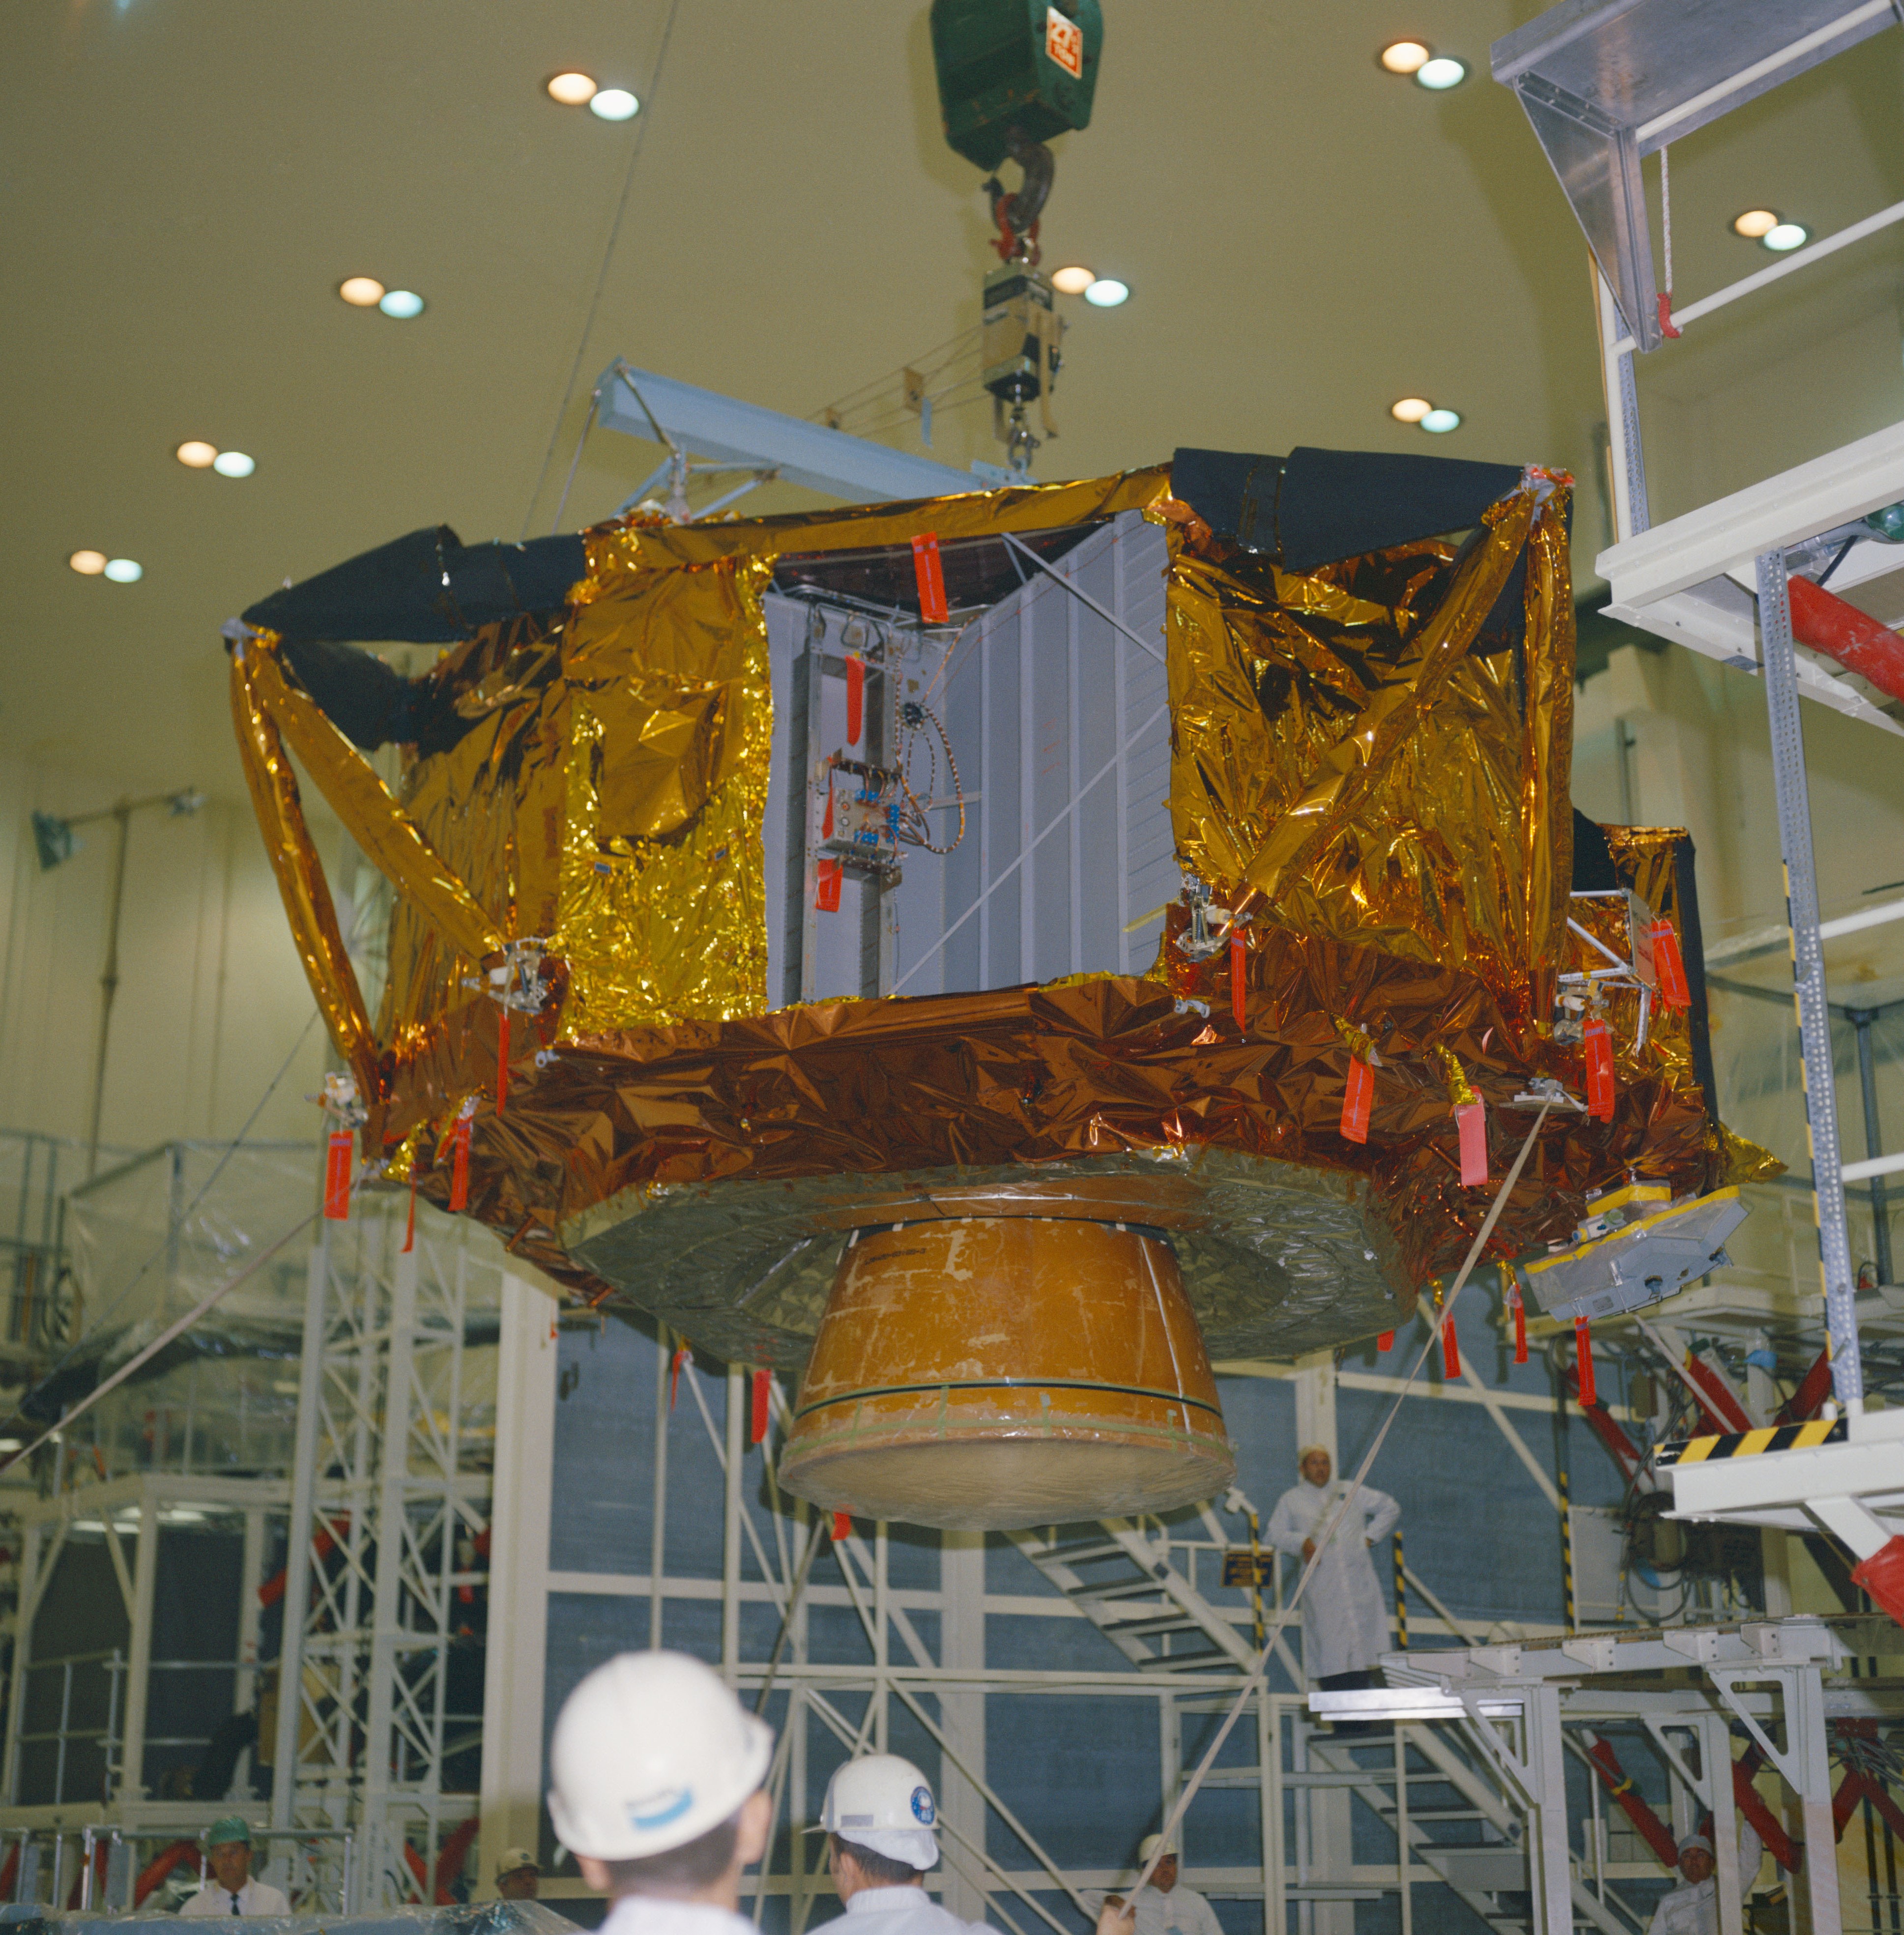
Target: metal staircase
1128	1588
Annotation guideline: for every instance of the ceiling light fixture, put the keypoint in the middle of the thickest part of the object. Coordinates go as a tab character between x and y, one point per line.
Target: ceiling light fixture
233	464
570	89
1784	237
1409	410
403	304
1074	280
87	563
123	570
1438	423
1107	292
361	291
197	456
1441	74
1405	57
615	104
1755	223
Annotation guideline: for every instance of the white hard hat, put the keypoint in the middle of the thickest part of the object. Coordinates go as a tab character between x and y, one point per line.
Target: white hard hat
650	1752
1147	1846
885	1803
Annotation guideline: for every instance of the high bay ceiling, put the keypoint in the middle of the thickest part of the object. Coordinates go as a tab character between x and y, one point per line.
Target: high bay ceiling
1305	238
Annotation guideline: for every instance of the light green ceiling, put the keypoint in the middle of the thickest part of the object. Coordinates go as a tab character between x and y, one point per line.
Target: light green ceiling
186	181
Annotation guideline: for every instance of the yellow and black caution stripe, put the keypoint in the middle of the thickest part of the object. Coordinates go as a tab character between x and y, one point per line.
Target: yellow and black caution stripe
1748	1444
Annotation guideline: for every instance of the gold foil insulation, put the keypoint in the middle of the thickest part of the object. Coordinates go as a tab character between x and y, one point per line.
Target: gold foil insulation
1369	764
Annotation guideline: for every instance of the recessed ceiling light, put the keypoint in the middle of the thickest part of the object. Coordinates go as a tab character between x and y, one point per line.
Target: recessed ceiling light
403	304
361	291
1405	57
1072	281
572	89
1444	71
196	456
1107	292
1409	410
1787	235
1755	223
87	563
1438	422
124	571
614	104
233	464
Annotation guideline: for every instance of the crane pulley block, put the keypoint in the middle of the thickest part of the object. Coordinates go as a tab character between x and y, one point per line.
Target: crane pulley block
1029	65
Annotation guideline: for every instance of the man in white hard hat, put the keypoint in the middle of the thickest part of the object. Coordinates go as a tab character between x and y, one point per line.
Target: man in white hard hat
655	1772
1344	1616
879	1819
1693	1908
1162	1907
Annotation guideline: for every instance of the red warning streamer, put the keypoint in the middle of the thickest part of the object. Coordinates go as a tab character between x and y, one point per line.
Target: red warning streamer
757	1424
826	888
1386	1342
460	1163
855	700
410	1223
842	1521
1520	1309
1583	1348
928	568
1669	965
682	1355
1358	1097
337	1178
1599	1041
1450	1346
1470	1119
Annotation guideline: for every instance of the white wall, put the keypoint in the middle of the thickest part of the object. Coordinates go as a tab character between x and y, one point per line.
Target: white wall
211	997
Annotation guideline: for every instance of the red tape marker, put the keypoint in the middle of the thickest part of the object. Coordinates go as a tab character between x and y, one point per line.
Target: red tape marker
1669	964
460	1164
337	1177
1470	1119
410	1223
1599	1042
757	1424
1239	976
826	890
1583	1367
855	700
1358	1097
502	1062
1451	1346
928	568
842	1521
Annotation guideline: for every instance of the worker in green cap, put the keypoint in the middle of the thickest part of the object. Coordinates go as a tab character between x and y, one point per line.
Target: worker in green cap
231	1889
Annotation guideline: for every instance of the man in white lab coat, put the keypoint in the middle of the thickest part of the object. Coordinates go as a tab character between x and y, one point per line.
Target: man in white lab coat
879	1819
1693	1908
1345	1620
1163	1908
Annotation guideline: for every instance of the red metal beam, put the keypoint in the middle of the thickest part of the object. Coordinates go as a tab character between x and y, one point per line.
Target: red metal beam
1655	1833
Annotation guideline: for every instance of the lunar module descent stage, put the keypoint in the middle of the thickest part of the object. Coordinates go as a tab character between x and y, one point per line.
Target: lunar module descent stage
988	956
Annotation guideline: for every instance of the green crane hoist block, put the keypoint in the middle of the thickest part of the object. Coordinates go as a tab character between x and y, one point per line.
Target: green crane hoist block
1003	64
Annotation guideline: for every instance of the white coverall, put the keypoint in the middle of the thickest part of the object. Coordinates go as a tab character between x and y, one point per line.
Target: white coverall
1182	1912
894	1911
655	1915
1345	1622
255	1898
1693	1908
